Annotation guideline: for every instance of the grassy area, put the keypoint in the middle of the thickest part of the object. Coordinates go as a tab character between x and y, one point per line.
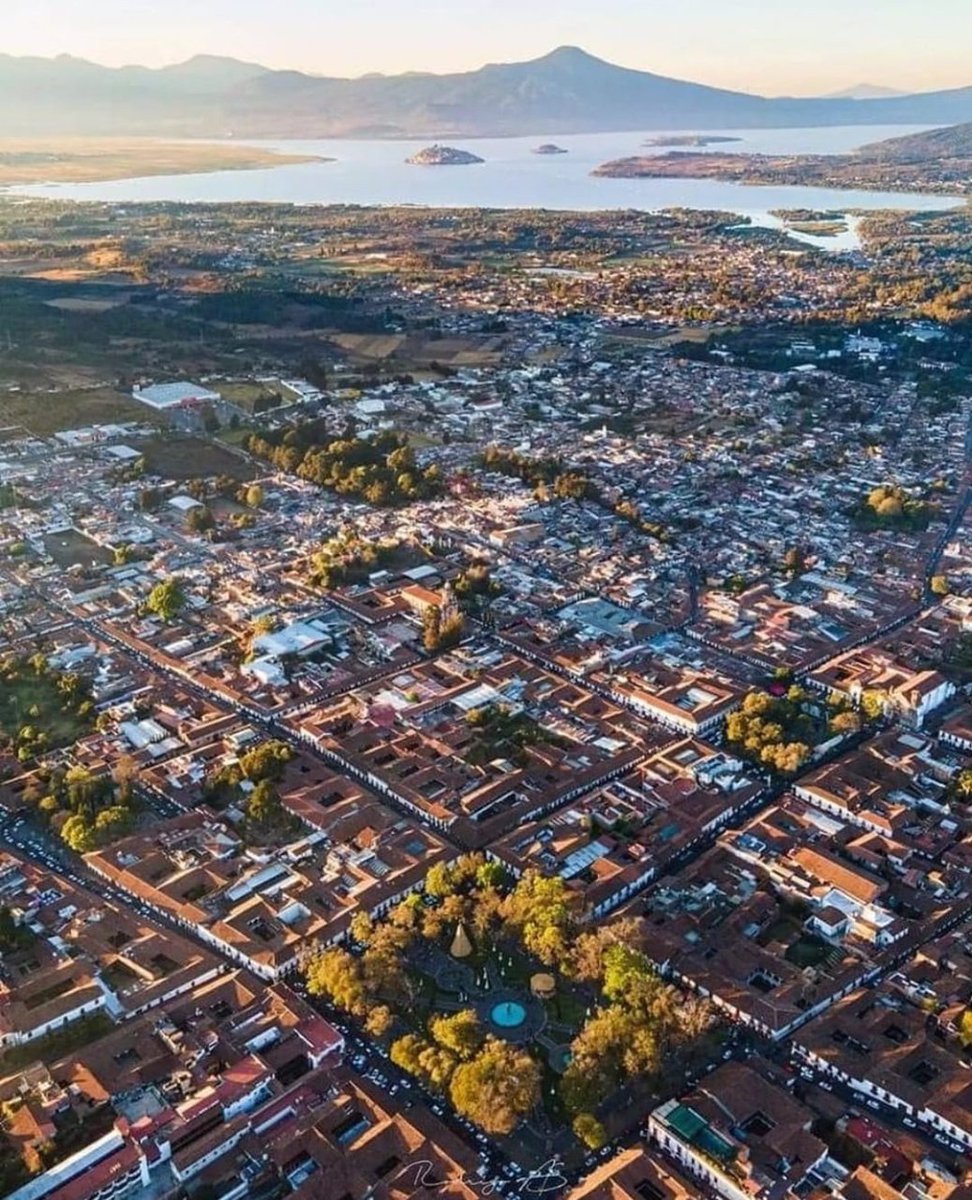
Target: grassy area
71	546
807	951
193	458
56	1045
86	160
255	396
46	412
34	700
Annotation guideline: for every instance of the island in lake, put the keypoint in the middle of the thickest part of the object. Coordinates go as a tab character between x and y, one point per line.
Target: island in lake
443	156
690	139
549	148
939	160
812	221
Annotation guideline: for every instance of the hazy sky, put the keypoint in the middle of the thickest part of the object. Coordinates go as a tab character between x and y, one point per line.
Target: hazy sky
772	46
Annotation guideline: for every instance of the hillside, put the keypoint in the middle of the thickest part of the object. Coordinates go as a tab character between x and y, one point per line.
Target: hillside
566	91
955	141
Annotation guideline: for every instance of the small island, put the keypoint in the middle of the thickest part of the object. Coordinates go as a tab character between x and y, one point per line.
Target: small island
443	156
811	221
690	139
550	148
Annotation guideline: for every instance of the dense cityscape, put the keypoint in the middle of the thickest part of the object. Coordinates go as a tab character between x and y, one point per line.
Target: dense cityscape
485	698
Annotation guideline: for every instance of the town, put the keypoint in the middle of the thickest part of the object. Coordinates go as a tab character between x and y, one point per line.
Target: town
484	706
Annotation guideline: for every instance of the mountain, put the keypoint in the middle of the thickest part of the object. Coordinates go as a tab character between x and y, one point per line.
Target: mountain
566	91
865	91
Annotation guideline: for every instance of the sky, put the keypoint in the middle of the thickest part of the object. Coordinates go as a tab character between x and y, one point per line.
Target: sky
773	47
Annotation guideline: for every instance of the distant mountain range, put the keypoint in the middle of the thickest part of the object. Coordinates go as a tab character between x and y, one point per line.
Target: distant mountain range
567	91
865	91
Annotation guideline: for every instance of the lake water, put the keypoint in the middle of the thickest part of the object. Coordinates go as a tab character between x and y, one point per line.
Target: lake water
375	173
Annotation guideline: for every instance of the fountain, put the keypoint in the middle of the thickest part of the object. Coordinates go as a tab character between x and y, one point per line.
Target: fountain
508	1014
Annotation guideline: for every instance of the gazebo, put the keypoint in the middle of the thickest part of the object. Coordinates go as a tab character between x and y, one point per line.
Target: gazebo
461	946
543	986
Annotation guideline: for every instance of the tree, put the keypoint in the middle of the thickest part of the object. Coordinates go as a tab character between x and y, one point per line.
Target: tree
589	947
111	823
78	833
362	927
589	1130
965	1028
460	1033
167	599
263	806
491	874
541	911
379	1021
199	520
382	971
440	880
624	968
336	975
253	496
497	1088
266	761
845	722
939	585
433	1065
794	562
431	628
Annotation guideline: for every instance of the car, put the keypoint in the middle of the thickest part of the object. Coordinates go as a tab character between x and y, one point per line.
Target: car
827	1087
911	1124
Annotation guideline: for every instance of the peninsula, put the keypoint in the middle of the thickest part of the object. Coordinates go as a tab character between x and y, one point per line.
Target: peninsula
939	160
94	160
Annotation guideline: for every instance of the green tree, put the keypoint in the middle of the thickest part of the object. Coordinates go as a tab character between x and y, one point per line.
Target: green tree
167	599
266	761
589	1131
491	874
263	806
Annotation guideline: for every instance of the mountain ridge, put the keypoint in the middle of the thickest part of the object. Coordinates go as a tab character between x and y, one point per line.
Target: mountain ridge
565	91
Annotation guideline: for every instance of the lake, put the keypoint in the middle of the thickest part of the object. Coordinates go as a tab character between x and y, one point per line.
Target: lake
375	173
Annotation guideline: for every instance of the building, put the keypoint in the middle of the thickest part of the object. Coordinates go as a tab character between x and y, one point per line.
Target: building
182	394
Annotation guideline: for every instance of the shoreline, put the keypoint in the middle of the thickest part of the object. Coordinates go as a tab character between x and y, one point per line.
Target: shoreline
840	173
32	162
